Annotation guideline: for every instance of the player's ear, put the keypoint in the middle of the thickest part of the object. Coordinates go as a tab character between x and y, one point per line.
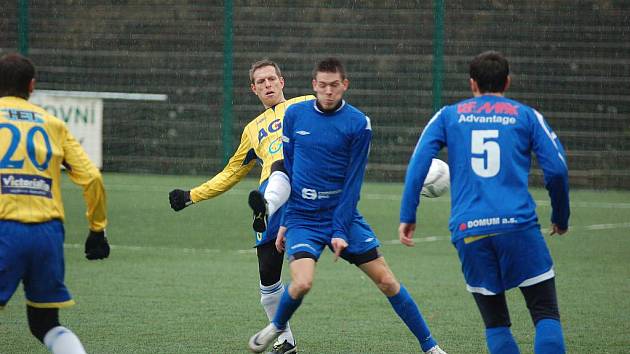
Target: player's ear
254	89
474	88
507	83
281	79
345	83
31	86
314	85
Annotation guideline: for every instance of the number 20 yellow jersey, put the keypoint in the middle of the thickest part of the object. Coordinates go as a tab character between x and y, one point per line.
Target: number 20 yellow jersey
261	141
33	146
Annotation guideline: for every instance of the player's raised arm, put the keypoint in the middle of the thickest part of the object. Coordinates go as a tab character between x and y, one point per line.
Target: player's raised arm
236	169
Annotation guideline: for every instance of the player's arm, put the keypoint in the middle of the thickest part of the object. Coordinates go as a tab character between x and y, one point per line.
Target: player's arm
431	140
84	173
360	148
552	160
236	169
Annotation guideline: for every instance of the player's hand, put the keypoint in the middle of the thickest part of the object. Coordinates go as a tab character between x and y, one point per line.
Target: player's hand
338	245
405	234
179	199
96	245
280	238
555	230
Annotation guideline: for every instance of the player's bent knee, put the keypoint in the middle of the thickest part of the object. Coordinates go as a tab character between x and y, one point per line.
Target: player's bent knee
40	321
388	285
493	309
301	287
542	301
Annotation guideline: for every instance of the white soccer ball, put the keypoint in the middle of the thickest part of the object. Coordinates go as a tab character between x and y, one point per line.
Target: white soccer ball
438	180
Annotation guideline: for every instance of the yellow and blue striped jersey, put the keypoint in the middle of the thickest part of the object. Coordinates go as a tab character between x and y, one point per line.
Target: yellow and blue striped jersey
33	146
261	140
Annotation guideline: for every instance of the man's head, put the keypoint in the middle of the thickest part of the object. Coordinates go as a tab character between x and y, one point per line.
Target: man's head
17	76
489	73
267	82
329	82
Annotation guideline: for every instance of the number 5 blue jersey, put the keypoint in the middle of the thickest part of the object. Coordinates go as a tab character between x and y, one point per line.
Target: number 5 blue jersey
490	141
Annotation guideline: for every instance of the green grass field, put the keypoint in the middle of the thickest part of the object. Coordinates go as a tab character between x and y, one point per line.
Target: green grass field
187	282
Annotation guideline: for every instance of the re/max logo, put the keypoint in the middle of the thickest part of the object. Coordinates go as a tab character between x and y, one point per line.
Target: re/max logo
498	108
273	127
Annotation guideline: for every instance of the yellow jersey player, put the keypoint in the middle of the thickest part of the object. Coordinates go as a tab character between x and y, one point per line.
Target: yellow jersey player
261	141
33	146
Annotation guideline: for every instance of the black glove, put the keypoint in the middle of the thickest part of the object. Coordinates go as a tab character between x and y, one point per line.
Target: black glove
96	246
179	199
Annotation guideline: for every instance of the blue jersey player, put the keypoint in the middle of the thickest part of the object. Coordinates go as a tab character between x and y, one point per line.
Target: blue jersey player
33	147
493	221
326	144
261	142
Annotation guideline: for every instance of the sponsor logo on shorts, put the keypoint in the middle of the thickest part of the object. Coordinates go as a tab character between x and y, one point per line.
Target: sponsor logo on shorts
302	245
26	184
471	224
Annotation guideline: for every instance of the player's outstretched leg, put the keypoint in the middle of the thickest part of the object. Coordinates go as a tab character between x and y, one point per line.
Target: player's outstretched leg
278	188
401	301
258	204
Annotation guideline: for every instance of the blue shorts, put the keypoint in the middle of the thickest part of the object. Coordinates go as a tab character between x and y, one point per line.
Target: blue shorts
33	253
312	238
495	263
273	224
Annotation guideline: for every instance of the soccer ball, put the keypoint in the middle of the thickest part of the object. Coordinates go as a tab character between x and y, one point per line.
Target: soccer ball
438	180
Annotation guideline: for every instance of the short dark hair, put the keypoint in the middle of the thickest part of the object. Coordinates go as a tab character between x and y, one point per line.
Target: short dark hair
490	70
260	64
330	65
16	73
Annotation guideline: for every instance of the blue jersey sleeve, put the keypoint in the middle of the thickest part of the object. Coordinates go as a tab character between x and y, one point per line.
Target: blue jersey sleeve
431	140
344	212
552	161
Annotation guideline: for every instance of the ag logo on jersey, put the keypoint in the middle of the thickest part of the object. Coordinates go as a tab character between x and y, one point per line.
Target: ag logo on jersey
273	127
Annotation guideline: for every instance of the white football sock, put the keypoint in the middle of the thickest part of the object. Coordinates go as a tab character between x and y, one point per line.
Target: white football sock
60	340
278	191
270	298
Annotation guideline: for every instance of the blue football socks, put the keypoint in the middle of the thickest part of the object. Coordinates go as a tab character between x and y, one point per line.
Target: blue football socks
408	311
501	341
286	308
549	338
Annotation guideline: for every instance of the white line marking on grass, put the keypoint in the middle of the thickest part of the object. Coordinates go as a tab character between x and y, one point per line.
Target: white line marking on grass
595	227
545	231
371	196
624	225
420	239
152	248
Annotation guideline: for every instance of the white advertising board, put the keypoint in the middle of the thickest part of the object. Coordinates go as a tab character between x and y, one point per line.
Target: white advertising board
84	117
